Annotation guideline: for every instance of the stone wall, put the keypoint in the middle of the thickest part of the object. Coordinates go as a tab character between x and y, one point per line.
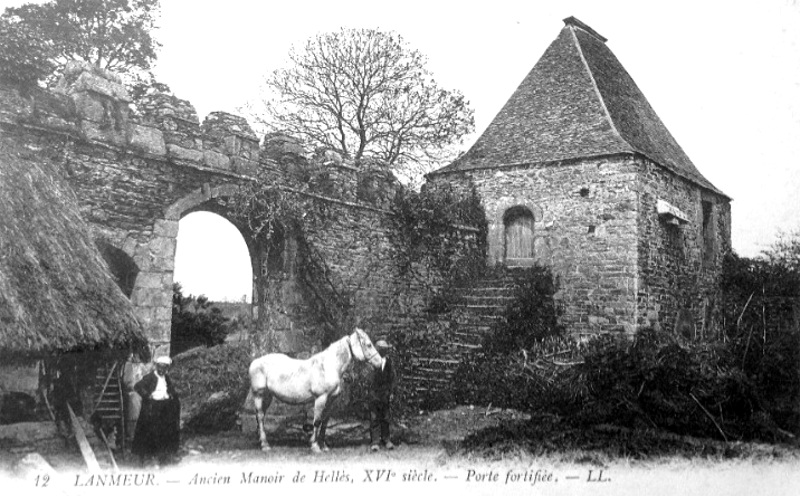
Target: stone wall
138	170
621	264
584	228
679	268
135	173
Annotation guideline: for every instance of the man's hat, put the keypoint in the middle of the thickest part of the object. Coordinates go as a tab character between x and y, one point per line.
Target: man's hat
163	360
383	344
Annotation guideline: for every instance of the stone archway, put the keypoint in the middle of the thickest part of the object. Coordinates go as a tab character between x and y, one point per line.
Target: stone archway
152	291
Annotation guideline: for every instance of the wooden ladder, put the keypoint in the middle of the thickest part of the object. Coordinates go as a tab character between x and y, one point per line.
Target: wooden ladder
109	399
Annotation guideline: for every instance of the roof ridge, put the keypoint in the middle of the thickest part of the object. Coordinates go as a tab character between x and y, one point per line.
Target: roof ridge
594	84
574	22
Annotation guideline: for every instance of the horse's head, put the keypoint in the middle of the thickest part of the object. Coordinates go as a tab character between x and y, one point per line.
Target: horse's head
363	349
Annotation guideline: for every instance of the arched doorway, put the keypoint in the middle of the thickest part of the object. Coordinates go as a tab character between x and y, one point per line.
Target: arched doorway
518	225
214	281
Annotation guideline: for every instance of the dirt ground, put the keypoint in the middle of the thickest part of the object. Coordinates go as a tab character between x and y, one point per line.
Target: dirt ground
427	459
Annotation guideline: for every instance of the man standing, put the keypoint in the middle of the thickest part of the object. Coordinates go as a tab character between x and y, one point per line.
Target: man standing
380	399
158	428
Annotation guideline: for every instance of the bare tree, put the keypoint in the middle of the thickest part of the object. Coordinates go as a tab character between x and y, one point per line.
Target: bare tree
367	95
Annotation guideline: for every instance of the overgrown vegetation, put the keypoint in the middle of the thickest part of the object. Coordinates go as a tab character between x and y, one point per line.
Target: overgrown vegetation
522	362
277	217
213	385
195	322
761	330
428	233
743	384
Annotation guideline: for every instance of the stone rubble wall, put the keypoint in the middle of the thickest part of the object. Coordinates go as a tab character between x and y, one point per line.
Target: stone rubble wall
620	265
584	229
678	284
138	169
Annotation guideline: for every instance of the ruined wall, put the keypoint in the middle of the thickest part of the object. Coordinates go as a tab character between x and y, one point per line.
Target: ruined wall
136	172
680	264
585	228
353	243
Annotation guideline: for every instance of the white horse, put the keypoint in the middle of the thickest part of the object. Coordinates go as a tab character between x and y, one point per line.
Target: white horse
317	379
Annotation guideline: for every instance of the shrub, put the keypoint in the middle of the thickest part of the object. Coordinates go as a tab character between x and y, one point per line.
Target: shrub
195	322
760	328
531	317
200	373
424	231
524	362
665	381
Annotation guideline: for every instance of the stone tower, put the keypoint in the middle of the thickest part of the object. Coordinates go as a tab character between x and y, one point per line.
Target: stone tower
578	172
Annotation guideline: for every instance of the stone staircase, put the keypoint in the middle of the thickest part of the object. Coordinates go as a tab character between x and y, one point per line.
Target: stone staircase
480	306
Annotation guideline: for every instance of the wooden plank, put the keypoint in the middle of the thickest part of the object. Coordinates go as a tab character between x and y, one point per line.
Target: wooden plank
83	443
109	451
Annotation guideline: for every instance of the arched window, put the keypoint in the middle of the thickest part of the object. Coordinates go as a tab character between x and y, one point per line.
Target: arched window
518	222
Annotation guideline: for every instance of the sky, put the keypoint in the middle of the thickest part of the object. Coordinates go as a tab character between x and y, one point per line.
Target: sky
724	77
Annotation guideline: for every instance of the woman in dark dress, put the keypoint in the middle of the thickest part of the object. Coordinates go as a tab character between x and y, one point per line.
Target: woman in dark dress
158	428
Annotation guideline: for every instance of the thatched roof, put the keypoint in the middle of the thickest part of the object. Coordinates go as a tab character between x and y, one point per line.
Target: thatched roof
56	291
577	102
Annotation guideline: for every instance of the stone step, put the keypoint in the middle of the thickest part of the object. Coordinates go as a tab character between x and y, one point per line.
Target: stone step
495	300
482	309
427	378
501	293
478	320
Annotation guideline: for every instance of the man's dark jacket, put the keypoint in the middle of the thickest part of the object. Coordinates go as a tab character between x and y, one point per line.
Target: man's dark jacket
382	382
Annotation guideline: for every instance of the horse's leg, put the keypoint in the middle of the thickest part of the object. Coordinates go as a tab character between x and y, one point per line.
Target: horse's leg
324	425
319	411
262	399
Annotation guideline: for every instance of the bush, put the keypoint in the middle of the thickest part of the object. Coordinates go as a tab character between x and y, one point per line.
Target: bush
665	381
524	362
760	328
540	379
424	231
531	317
200	373
195	322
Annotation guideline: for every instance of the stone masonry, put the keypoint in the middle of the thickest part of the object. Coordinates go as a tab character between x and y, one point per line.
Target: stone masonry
137	173
577	172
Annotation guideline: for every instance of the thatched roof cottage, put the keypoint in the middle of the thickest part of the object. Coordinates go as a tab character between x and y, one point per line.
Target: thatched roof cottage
58	300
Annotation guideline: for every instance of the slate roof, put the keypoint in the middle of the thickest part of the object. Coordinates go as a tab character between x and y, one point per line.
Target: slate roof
577	102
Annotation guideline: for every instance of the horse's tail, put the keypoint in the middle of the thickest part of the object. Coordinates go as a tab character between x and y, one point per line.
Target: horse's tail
249	405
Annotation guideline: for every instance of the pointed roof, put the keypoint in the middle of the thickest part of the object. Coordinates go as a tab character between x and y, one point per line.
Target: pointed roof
577	102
